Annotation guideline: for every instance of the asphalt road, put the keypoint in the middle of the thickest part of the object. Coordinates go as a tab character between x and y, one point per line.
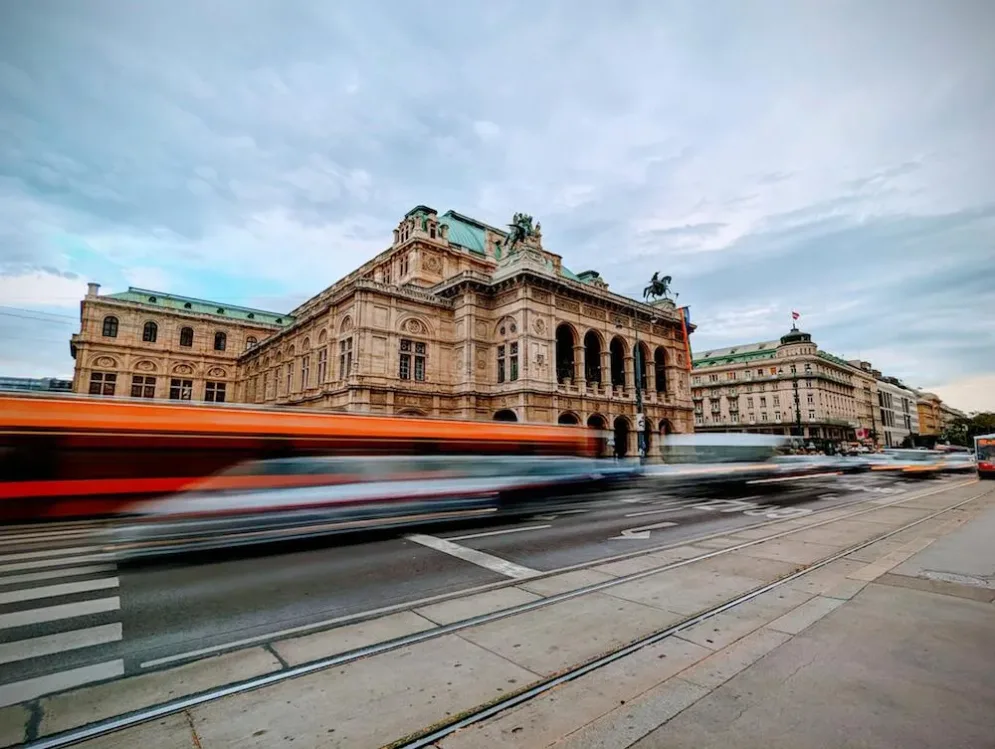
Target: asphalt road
67	617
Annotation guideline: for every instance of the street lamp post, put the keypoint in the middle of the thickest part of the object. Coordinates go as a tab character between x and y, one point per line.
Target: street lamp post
639	364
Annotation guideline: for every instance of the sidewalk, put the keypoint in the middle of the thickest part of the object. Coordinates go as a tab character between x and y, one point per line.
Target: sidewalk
907	662
896	637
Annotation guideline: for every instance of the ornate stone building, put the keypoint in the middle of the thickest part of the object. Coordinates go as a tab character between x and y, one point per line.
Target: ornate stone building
773	386
450	320
146	344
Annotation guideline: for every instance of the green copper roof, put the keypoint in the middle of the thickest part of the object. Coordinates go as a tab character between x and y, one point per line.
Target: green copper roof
200	306
737	354
465	232
567	273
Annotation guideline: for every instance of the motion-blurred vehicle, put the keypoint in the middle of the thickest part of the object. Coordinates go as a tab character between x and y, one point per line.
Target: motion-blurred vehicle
691	460
73	456
958	463
908	462
276	500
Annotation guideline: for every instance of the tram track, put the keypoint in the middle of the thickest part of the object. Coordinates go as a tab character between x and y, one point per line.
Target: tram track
154	712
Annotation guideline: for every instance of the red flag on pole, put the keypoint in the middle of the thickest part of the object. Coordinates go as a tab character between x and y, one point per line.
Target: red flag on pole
794	315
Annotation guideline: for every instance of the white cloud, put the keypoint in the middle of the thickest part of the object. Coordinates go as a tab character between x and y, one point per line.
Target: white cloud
486	130
970	393
41	289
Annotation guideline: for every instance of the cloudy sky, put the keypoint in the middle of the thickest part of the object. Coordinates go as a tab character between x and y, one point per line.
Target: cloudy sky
837	158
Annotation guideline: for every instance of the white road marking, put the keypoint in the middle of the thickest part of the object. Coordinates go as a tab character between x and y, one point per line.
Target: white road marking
479	558
47	553
57	643
29	689
32	577
497	533
652	512
643	531
39	563
60	589
62	611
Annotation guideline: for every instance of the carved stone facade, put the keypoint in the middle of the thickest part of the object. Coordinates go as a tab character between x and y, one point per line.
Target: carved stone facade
445	322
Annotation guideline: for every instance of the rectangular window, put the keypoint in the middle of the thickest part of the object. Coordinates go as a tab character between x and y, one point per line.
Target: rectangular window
345	357
500	363
808	368
811	399
730	375
734	417
753	416
142	386
777	416
290	376
102	383
713	378
773	370
322	365
514	361
811	414
180	390
697	379
749	402
214	392
763	402
777	401
760	372
808	384
412	360
763	416
265	393
306	372
794	369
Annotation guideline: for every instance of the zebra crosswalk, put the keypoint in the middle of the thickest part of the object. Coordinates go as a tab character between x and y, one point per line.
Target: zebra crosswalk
58	605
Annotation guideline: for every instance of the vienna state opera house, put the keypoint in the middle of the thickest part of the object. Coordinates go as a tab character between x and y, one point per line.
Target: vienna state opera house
451	320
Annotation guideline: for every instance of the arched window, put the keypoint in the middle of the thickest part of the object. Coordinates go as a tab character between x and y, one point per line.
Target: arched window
186	337
150	332
220	341
110	327
250	342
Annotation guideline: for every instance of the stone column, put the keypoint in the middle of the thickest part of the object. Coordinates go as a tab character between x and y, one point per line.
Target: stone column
630	374
580	373
606	369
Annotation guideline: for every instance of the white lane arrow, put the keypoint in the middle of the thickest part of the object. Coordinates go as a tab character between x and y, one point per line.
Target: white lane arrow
643	531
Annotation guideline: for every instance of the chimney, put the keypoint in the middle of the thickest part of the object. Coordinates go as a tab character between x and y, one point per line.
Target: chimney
92	289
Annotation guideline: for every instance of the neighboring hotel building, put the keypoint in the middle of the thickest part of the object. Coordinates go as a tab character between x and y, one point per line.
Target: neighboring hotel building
754	387
444	322
898	414
929	409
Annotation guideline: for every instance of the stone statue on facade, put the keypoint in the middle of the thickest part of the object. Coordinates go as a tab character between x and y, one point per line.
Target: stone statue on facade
659	288
519	230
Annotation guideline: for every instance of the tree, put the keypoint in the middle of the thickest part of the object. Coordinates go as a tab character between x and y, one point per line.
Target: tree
963	431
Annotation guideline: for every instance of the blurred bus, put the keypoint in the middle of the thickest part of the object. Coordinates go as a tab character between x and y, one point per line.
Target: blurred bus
63	456
984	453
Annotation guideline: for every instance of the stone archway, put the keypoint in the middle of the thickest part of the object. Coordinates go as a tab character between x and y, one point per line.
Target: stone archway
592	357
565	340
505	414
568	418
597	422
621	436
617	349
